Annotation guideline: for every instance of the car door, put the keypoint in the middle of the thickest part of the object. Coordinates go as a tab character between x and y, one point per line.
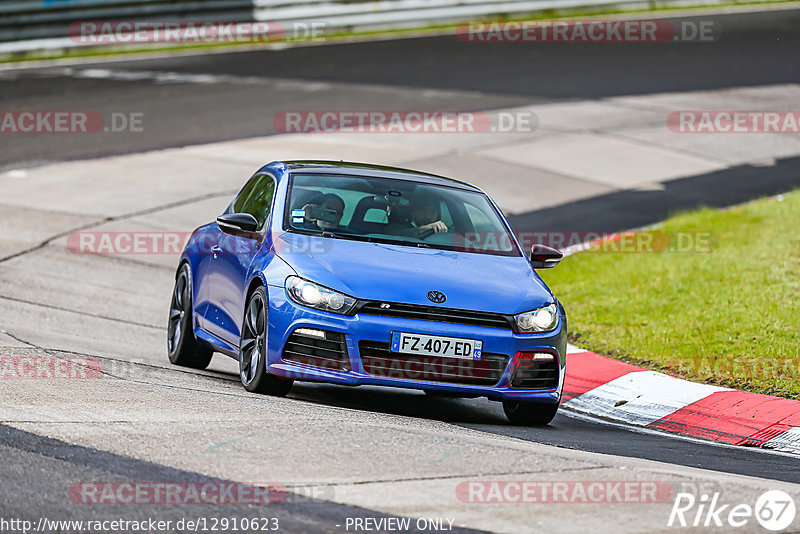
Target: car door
206	239
231	258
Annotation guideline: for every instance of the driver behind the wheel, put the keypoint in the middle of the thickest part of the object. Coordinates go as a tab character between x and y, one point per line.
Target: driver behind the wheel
426	216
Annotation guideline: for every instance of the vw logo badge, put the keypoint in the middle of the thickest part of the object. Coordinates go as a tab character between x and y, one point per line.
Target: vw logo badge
436	296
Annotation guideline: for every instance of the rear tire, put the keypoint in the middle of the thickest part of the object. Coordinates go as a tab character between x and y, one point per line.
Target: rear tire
182	347
529	413
253	350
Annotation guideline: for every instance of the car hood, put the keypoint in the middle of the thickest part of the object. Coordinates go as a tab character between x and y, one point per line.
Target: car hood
395	273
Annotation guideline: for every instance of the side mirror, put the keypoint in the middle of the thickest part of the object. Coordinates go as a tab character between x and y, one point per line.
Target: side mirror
237	223
544	257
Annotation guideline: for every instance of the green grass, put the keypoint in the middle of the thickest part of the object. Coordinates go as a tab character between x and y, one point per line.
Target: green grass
730	316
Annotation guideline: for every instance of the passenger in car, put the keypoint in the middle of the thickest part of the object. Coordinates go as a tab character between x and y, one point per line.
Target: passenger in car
325	213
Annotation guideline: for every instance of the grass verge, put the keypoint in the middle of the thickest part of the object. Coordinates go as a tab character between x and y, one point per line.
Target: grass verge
729	316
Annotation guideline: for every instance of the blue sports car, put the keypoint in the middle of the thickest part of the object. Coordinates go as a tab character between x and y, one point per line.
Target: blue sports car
358	274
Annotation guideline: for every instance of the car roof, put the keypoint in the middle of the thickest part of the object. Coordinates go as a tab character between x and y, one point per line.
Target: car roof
377	171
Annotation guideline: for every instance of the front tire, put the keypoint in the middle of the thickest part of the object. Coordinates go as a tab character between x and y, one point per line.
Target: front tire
182	347
253	350
529	413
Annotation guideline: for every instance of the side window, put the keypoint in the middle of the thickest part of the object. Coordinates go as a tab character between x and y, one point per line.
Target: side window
256	198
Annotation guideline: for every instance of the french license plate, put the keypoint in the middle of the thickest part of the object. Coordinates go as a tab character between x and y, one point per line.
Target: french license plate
448	347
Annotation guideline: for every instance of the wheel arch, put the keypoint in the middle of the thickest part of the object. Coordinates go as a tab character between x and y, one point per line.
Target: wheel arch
258	280
184	261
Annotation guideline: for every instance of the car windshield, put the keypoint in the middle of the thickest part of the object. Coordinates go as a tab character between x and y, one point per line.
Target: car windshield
396	211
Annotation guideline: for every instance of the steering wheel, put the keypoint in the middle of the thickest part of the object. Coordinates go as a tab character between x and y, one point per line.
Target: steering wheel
426	234
430	232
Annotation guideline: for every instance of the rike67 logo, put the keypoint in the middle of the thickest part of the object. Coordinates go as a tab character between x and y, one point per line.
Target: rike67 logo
774	510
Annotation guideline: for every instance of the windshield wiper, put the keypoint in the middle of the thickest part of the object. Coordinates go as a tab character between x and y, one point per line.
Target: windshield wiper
354	237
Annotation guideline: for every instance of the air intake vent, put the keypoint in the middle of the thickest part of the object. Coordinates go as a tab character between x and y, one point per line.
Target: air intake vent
536	371
317	348
378	360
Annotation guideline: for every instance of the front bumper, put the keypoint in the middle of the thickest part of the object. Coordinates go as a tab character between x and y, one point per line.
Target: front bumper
285	317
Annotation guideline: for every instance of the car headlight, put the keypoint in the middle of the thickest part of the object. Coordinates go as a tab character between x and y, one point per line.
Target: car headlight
538	320
316	296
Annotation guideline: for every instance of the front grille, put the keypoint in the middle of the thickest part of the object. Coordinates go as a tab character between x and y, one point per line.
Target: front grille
536	374
434	313
379	360
329	353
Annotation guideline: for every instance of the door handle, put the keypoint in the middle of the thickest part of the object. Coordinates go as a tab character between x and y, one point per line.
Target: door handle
216	250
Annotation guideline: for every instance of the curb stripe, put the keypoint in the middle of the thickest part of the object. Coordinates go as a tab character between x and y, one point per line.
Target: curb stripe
735	416
788	441
641	397
620	391
592	371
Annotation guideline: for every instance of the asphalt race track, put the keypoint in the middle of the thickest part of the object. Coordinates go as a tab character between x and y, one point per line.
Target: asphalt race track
567	430
64	463
248	88
233	96
753	49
